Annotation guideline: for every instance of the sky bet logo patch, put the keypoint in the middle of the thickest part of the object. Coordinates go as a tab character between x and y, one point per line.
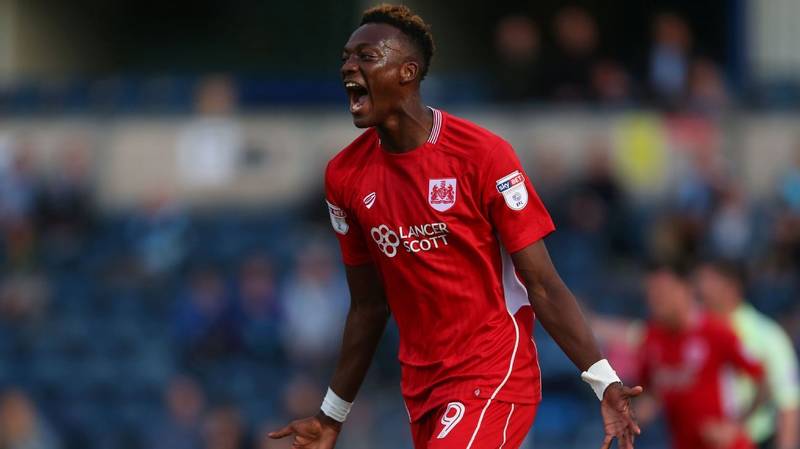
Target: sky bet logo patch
512	186
506	183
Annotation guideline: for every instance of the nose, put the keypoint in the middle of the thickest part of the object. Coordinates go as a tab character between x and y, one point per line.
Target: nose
349	66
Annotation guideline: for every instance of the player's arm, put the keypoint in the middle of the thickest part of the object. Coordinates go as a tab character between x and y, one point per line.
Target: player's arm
363	329
555	306
736	355
560	315
365	324
723	432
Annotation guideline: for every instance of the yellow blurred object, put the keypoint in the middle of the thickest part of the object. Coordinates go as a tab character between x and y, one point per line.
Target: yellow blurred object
640	152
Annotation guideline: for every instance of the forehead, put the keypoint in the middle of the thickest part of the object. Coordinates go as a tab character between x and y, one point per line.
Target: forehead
663	277
376	34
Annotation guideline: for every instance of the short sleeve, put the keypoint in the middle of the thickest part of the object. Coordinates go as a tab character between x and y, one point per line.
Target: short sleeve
348	232
513	207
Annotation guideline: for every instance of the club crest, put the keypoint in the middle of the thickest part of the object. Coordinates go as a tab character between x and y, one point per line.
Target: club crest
442	193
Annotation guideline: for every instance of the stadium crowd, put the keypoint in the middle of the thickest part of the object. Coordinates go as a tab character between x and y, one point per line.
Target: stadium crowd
202	330
564	61
570	65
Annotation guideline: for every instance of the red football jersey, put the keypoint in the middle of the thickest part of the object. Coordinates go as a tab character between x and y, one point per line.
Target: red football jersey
439	222
688	371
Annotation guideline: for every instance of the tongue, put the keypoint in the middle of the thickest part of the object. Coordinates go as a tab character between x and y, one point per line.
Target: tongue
357	102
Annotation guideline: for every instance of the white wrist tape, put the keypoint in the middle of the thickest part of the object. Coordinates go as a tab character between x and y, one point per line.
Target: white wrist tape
335	407
599	376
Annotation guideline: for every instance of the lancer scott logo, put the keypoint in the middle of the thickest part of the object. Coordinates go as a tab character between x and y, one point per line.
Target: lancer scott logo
414	238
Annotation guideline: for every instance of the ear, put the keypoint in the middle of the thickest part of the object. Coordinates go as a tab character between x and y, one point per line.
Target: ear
409	72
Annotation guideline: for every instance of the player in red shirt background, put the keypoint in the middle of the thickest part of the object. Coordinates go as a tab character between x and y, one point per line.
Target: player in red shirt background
439	224
685	357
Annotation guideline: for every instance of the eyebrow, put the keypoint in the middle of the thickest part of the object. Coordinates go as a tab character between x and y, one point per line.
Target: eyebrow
359	46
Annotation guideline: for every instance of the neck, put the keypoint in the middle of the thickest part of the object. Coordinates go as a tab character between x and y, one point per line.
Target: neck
408	127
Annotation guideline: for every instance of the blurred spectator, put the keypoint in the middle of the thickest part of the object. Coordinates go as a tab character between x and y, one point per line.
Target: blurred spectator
600	181
574	56
64	209
158	234
731	226
519	69
18	185
210	146
775	281
181	429
611	84
301	397
669	58
707	91
775	424
203	319
315	305
21	427
20	246
258	304
216	96
23	298
551	179
697	194
224	429
789	184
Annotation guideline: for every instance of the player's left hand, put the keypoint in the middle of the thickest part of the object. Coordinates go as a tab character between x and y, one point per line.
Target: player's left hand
618	419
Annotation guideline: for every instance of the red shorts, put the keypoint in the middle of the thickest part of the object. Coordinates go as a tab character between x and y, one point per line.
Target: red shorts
474	424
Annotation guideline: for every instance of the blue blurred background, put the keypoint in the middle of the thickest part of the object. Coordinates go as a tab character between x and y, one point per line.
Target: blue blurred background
168	276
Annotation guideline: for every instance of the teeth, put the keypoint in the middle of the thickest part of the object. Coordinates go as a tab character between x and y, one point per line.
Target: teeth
351	85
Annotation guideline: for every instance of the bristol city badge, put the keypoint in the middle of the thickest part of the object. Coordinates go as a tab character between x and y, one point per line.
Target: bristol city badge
442	193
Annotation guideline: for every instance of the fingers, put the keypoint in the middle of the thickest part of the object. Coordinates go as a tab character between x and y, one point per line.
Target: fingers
632	392
626	440
630	419
607	442
282	433
630	423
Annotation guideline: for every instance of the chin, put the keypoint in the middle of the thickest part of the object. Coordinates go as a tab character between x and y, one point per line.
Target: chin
363	121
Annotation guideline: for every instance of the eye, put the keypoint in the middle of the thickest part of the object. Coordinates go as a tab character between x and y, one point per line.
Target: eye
368	56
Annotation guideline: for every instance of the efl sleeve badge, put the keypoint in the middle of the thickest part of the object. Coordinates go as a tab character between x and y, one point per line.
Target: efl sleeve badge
338	218
512	186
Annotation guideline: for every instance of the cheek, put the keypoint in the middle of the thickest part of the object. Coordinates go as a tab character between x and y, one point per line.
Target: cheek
384	81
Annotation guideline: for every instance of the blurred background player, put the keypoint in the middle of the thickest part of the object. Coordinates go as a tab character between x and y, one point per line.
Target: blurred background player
775	424
684	356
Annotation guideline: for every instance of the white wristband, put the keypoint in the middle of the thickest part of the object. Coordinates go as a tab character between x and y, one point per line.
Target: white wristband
335	407
599	376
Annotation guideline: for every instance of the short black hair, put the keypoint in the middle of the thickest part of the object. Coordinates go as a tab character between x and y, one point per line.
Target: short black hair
731	269
676	267
412	25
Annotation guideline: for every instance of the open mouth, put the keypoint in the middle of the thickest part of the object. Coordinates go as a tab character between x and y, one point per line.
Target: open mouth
358	95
